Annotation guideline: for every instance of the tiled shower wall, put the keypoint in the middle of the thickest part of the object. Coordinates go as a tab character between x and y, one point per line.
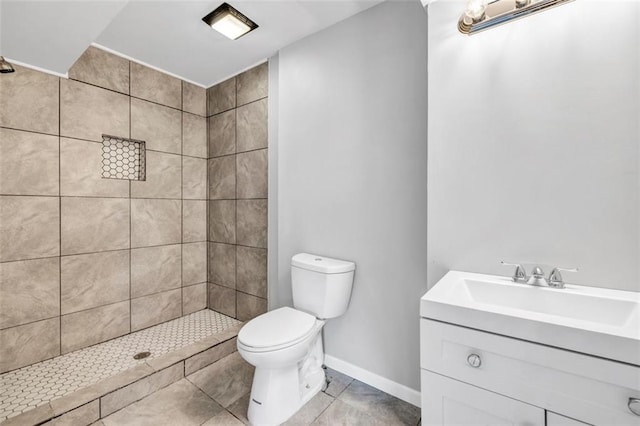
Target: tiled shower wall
237	122
85	259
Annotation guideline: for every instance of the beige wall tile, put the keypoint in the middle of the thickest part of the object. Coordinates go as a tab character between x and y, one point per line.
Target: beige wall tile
222	134
221	97
208	357
29	343
28	163
94	224
129	394
155	222
194	99
156	308
251	174
252	126
252	223
92	280
155	269
29	101
253	84
194	221
194	263
29	291
81	168
222	264
194	178
81	416
222	299
251	276
103	69
222	221
86	328
87	112
250	306
159	126
155	86
163	177
29	227
194	298
194	135
222	178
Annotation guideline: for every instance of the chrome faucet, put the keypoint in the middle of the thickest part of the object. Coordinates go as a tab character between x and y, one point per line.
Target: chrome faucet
537	276
555	277
520	275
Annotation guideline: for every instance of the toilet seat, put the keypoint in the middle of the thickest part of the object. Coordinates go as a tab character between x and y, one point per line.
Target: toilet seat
277	329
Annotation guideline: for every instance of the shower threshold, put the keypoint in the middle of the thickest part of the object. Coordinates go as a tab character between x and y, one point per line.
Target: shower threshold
90	383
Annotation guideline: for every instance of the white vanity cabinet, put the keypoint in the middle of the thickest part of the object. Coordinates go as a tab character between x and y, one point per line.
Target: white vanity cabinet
472	377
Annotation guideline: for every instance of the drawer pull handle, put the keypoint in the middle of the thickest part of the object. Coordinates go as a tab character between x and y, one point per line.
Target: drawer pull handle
634	406
475	361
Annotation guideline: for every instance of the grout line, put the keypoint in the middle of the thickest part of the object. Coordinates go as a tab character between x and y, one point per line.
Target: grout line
182	202
130	208
236	105
59	216
235	165
110	198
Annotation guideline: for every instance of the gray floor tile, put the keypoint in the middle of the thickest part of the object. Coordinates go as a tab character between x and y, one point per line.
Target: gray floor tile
338	382
240	407
380	405
340	413
226	380
224	418
179	404
311	410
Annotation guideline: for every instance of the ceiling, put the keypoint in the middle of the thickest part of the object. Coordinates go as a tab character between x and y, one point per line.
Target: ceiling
167	35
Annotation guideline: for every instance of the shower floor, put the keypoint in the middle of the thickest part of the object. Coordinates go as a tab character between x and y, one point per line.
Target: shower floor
31	386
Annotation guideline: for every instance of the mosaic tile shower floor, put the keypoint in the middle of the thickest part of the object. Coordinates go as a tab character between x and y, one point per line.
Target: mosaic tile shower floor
36	384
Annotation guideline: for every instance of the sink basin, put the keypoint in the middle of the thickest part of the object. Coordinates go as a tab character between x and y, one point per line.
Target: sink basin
591	320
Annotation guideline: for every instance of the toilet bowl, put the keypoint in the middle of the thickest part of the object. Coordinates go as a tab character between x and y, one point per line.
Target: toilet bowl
285	345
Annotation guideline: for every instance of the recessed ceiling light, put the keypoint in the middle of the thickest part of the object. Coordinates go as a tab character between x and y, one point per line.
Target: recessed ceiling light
229	22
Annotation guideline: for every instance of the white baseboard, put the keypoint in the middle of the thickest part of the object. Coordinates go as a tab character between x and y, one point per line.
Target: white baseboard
392	388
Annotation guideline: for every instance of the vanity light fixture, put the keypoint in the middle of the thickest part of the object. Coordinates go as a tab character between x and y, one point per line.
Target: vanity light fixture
483	14
229	22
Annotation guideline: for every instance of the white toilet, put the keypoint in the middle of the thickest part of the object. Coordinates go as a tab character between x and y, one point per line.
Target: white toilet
285	345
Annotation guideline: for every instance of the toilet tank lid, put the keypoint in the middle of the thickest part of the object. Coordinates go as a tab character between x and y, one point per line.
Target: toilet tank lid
325	265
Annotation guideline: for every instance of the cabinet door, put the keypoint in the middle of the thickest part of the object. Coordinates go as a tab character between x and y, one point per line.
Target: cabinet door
448	402
554	419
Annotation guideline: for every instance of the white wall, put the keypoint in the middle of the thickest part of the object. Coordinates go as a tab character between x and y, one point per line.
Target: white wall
351	177
534	143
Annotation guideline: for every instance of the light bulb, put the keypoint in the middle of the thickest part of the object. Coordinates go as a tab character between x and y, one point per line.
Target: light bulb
475	9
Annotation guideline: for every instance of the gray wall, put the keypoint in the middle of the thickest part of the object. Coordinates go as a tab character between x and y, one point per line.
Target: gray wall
534	143
351	164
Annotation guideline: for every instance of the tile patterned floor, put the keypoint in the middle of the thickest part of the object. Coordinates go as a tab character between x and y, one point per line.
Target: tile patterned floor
28	387
218	395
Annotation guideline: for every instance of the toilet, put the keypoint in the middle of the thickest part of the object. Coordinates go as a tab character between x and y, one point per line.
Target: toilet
285	345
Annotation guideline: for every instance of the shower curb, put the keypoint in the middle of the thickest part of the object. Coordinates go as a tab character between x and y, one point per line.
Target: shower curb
96	401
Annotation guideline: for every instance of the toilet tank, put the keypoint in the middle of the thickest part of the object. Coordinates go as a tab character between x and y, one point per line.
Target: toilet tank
321	285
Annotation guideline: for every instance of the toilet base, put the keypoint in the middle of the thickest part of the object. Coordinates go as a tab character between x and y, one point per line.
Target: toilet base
277	394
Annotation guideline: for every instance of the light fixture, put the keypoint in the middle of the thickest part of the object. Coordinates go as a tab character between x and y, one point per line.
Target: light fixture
5	67
229	22
483	14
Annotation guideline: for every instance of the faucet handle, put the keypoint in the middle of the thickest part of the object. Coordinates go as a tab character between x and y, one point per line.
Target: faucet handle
520	275
555	277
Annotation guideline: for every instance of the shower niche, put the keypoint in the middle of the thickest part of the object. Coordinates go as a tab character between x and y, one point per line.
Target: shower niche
123	158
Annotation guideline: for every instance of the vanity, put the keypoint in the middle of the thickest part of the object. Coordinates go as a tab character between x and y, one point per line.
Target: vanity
497	352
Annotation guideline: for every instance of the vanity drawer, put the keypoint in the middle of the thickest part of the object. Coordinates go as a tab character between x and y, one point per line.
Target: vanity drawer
590	389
